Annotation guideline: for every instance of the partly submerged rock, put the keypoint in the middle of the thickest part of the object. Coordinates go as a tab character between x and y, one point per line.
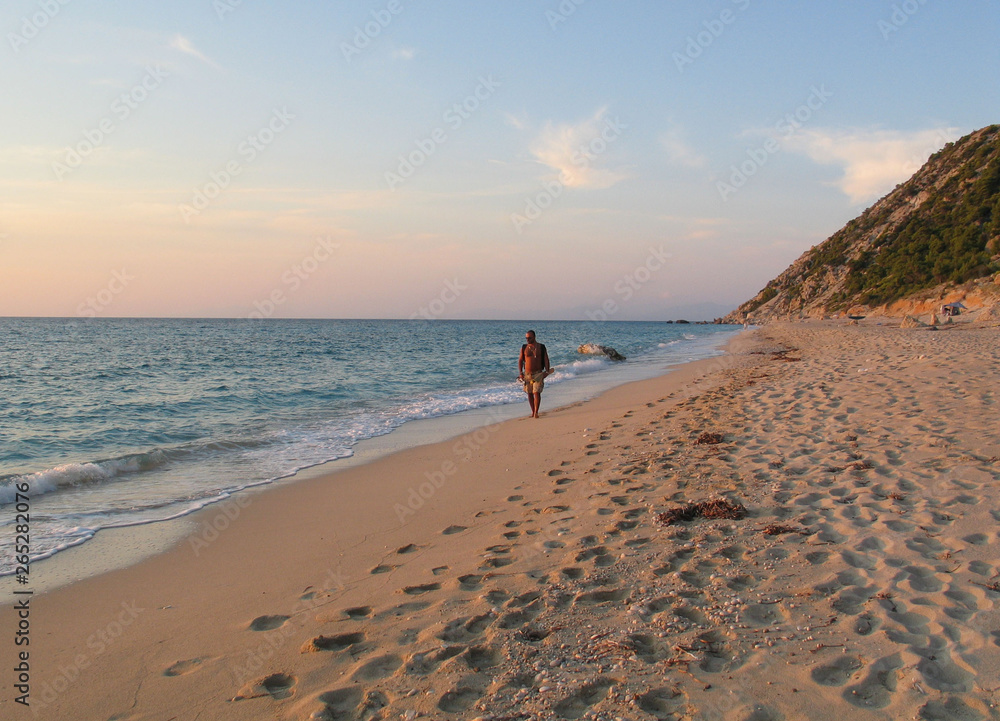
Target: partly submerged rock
598	349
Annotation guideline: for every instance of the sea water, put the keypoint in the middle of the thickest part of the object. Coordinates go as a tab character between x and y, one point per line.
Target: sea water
120	422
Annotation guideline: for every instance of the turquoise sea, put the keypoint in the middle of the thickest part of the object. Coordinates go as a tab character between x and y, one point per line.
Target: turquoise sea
118	422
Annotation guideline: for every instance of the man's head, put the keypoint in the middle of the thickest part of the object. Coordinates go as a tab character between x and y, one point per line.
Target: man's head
530	336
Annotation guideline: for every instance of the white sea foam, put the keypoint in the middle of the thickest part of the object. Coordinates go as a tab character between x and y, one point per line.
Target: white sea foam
76	474
247	436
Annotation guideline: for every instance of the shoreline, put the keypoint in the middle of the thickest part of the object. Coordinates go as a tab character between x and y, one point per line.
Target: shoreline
116	548
518	574
86	626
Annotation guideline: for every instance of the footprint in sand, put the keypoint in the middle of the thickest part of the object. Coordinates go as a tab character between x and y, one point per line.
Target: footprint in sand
981	568
866	624
953	709
408	548
358	612
277	685
451	530
837	673
716	656
267	623
339	704
340	642
377	668
423	588
382	568
425	663
555	509
184	667
470	581
496	562
496	597
877	688
405	609
664	703
463	630
596	598
647	648
520	618
977	539
482	657
576	704
467	691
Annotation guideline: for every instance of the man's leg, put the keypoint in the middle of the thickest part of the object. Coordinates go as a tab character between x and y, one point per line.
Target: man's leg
536	404
532	400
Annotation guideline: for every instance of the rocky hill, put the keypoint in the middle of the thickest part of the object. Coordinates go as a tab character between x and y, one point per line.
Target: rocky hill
933	239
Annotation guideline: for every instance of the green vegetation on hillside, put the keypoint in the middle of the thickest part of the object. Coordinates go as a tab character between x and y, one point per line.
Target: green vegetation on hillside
951	237
944	241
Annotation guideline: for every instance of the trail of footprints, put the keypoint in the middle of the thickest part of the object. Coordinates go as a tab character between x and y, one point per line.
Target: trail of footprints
524	590
468	650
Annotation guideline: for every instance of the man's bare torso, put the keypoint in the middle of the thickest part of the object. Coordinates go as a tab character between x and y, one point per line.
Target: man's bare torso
534	358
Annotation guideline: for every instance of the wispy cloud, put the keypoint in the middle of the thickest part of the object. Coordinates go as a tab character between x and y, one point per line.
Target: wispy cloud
516	122
404	53
873	161
576	150
184	45
678	150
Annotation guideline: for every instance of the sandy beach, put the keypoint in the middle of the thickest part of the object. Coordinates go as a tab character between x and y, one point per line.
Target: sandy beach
538	569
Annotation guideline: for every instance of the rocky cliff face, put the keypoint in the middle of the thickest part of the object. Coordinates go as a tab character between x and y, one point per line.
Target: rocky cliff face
933	239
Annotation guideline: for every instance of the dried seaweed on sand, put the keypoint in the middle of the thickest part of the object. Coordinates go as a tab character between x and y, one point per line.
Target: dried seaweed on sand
716	508
776	529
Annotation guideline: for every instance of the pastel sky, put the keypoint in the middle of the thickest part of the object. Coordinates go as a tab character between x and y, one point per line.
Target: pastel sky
543	159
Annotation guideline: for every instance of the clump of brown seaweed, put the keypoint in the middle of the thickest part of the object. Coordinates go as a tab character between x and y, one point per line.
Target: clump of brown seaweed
713	509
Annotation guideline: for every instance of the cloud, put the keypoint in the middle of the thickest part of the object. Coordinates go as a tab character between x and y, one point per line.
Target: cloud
873	161
576	150
182	44
519	123
678	151
404	54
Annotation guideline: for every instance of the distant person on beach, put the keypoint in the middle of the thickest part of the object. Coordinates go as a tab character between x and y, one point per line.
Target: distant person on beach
532	367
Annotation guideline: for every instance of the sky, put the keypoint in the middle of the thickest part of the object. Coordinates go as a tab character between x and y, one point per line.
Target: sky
543	159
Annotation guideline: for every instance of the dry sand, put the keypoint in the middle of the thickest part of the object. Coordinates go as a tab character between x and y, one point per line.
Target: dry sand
523	571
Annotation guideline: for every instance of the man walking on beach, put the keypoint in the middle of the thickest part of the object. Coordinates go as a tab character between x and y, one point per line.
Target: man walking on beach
532	367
